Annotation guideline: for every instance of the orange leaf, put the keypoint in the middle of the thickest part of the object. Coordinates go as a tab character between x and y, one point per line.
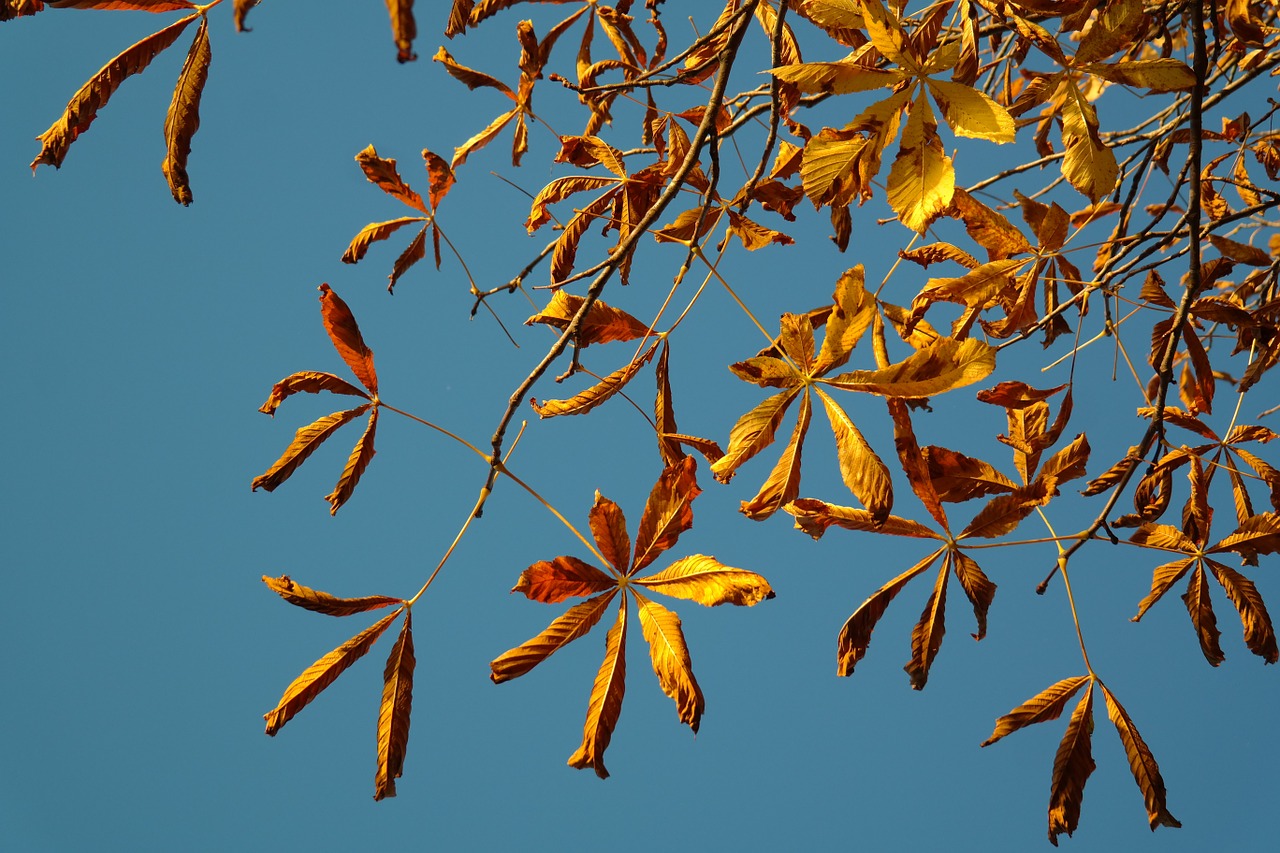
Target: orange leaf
414	252
670	657
783	483
957	478
944	365
1003	513
1143	764
322	602
123	5
978	588
664	416
1071	768
1164	577
560	189
394	713
241	9
708	582
855	636
440	176
372	233
345	334
359	459
1044	706
471	78
323	672
404	30
602	324
926	637
83	107
606	700
852	312
1200	608
667	513
609	527
183	118
913	463
815	517
585	401
310	381
382	171
561	578
575	623
305	441
753	432
1258	534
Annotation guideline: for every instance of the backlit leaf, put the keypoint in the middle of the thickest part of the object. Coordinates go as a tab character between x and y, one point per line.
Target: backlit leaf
83	107
753	432
606	700
852	312
670	657
667	513
346	338
322	673
1155	75
382	172
926	637
912	460
609	527
305	442
372	233
1046	705
183	118
1259	635
414	252
863	471
957	478
1200	608
922	179
394	712
855	636
783	483
311	382
322	602
361	456
1071	768
944	365
585	401
815	517
1259	534
1143	764
403	30
576	622
561	578
978	588
1162	579
602	324
708	582
971	113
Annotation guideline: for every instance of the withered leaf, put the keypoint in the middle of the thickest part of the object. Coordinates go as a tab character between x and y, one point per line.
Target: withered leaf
439	175
1143	764
323	672
1200	608
957	478
670	657
346	338
403	30
863	471
240	12
1258	534
382	171
357	462
1259	634
183	118
855	636
585	401
322	602
609	528
708	582
310	382
605	705
602	324
83	107
395	711
912	461
1016	395
372	233
575	623
978	588
753	432
414	252
1162	579
667	513
783	483
944	365
1046	705
1071	768
815	517
926	637
305	442
561	578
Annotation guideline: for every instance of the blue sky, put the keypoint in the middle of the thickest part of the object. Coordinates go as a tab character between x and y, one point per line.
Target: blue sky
142	648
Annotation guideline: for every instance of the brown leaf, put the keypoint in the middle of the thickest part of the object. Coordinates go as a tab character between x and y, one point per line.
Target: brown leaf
561	578
606	700
372	233
664	415
403	30
1143	764
183	118
708	582
1071	768
783	483
1003	513
944	365
323	672
855	636
1200	608
346	338
753	432
815	517
852	312
1046	705
609	527
414	252
912	460
1259	534
394	712
322	602
586	400
670	657
575	623
382	171
305	441
1259	635
957	478
83	107
667	513
439	175
926	637
311	382
978	588
1016	395
240	11
602	324
359	459
1162	579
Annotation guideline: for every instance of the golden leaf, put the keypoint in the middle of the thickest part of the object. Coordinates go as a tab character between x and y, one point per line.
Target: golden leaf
575	623
838	78
372	233
1046	705
991	229
664	416
323	672
394	712
1200	608
469	77
977	289
753	432
382	172
414	252
183	118
1066	464
768	372
305	441
670	657
708	582
943	365
311	382
957	478
603	323
609	528
558	190
403	30
359	460
585	401
922	179
1016	395
1071	768
1003	513
1239	252
606	700
1164	537
439	176
561	578
851	314
129	5
971	113
855	636
1143	764
1155	75
978	588
926	637
863	471
783	483
1088	164
1259	635
83	107
912	460
346	338
815	517
667	513
1243	25
322	602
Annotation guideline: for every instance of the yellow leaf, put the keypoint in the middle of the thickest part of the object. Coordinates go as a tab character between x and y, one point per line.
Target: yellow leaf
886	33
1156	75
183	118
667	513
944	365
971	113
606	700
783	483
1259	635
575	623
323	672
585	401
768	372
977	289
359	459
852	312
839	78
305	442
708	582
1071	768
83	107
753	432
394	712
603	323
1046	705
558	190
322	602
863	471
403	30
922	179
670	657
471	78
815	517
483	138
1088	164
1143	764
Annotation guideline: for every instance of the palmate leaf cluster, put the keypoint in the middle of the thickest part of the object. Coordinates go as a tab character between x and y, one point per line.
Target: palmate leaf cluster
1074	242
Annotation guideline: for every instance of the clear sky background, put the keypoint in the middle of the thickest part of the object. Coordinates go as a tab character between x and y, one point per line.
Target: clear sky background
142	649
